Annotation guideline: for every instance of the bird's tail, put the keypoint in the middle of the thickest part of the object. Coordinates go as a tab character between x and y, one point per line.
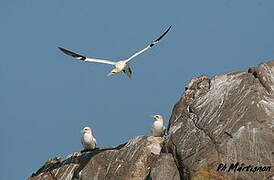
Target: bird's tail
128	71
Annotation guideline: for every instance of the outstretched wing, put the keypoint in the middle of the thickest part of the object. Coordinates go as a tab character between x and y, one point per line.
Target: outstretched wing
83	58
149	46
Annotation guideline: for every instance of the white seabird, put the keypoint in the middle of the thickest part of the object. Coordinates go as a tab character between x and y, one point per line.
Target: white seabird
87	140
122	65
158	129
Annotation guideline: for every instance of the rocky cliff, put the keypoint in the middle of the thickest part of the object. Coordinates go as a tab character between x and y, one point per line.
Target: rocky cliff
221	128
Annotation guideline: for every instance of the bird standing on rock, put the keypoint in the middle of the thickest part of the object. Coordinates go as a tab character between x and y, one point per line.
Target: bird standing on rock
87	140
158	129
122	65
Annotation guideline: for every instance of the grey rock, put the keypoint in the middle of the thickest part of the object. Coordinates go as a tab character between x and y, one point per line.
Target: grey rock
265	74
225	119
128	161
164	168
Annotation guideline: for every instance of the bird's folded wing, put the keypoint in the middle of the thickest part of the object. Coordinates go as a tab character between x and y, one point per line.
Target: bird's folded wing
164	133
83	58
149	46
95	141
82	141
152	129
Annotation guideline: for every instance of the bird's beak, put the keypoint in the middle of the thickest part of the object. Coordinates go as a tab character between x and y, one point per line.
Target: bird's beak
82	131
153	116
109	74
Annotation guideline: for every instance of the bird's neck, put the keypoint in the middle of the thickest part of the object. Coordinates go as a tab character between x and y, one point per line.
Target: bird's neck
87	134
160	121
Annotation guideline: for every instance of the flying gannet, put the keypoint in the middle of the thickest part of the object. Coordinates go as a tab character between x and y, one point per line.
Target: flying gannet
87	140
158	129
122	65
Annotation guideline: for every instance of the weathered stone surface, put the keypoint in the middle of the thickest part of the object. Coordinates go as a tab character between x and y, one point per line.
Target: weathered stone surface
265	74
164	168
128	161
225	119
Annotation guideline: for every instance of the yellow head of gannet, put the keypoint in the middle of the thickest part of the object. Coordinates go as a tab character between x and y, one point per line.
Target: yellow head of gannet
158	117
114	71
87	130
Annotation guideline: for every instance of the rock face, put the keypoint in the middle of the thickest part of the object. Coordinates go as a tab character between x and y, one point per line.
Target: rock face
226	119
127	161
217	122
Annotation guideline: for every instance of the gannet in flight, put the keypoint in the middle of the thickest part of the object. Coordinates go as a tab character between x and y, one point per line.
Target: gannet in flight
158	129
87	140
122	65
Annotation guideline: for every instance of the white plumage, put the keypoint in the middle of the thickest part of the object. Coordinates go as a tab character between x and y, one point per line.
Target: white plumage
122	65
87	140
158	129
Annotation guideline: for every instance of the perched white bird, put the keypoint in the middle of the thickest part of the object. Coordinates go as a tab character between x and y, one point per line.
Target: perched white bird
87	140
158	129
122	65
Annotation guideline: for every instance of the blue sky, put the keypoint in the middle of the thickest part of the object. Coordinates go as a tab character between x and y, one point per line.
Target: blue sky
46	97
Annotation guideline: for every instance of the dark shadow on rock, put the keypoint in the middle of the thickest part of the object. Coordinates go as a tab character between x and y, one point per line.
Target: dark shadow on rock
170	147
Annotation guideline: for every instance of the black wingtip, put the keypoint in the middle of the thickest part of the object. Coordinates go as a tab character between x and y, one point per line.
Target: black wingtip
159	38
62	49
168	28
73	54
163	34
